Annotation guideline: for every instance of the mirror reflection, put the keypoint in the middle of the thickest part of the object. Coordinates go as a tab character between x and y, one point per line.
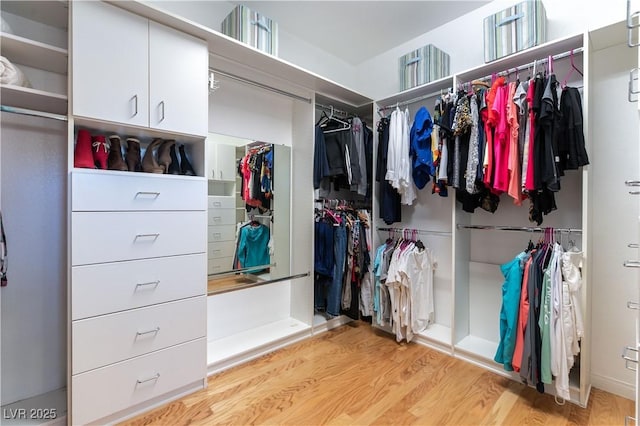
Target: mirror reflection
249	202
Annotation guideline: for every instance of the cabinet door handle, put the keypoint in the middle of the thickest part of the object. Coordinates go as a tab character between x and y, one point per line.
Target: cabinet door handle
154	236
631	264
135	105
150	283
155	377
633	245
633	305
142	333
154	194
633	77
162	106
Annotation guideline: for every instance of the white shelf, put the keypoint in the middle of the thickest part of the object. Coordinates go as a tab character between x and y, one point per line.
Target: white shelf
54	13
221	350
478	346
20	50
438	333
34	99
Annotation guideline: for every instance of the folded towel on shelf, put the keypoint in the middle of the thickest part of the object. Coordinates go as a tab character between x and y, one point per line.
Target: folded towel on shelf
11	74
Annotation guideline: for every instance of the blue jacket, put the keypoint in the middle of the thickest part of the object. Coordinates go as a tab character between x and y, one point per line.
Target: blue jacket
420	151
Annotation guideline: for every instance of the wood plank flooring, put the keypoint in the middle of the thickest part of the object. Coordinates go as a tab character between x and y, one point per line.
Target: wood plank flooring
356	375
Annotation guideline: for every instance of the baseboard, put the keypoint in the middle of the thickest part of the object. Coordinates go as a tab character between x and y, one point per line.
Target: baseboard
614	386
331	324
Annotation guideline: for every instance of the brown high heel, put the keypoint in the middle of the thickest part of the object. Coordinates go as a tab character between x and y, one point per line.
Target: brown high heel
134	163
164	154
115	161
149	163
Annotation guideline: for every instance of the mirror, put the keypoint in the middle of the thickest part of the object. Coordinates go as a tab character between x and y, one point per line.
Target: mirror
249	212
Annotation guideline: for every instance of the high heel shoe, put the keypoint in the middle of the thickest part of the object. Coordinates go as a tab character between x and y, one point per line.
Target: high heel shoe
115	161
185	166
82	154
134	163
164	155
149	162
174	167
100	151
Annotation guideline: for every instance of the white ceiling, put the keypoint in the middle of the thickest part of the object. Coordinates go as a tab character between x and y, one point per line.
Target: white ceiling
355	31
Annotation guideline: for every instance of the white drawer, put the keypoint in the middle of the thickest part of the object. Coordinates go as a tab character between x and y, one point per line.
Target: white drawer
105	391
222	264
222	217
111	287
221	202
221	233
221	249
107	339
99	237
104	191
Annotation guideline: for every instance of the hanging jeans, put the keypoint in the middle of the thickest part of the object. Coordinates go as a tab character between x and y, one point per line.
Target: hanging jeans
334	292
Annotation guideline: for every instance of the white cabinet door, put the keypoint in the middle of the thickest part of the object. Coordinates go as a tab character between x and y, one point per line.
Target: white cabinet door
224	162
110	63
178	66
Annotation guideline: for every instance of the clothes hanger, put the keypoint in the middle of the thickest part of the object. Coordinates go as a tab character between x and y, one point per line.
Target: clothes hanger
571	70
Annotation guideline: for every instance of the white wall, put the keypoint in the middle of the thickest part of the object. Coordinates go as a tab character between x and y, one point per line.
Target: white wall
290	48
462	39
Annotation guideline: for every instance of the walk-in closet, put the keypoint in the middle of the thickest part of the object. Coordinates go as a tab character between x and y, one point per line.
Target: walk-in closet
191	209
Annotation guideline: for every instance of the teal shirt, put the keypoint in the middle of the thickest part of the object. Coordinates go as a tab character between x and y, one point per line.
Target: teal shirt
253	246
512	272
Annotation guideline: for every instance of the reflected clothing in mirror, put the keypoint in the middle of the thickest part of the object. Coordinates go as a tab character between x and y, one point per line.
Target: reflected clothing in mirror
256	171
253	246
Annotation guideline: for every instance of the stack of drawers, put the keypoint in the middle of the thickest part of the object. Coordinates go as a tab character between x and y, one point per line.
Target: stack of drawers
222	233
138	289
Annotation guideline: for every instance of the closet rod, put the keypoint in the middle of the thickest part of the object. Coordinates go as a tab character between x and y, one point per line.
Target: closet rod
536	62
331	108
414	100
32	113
519	228
417	231
260	85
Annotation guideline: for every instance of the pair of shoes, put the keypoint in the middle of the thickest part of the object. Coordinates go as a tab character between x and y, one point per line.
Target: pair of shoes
167	159
90	152
115	160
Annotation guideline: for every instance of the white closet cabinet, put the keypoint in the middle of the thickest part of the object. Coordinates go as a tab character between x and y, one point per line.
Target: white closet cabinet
137	72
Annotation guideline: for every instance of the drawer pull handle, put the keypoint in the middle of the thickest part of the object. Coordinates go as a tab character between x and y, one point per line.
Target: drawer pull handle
217	218
628	420
632	182
153	193
217	251
154	331
156	377
217	204
154	236
153	283
217	235
632	367
633	305
633	245
631	264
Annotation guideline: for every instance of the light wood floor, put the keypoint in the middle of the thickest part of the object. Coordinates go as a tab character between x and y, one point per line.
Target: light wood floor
355	375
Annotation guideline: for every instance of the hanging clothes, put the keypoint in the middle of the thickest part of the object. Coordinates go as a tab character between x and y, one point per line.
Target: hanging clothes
253	245
256	171
388	198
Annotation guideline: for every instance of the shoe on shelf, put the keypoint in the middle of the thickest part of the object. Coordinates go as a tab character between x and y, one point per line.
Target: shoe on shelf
115	160
164	154
149	162
134	163
82	154
100	151
174	167
185	166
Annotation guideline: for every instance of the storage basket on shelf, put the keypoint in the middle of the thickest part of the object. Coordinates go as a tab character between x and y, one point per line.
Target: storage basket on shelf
252	28
516	28
423	65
